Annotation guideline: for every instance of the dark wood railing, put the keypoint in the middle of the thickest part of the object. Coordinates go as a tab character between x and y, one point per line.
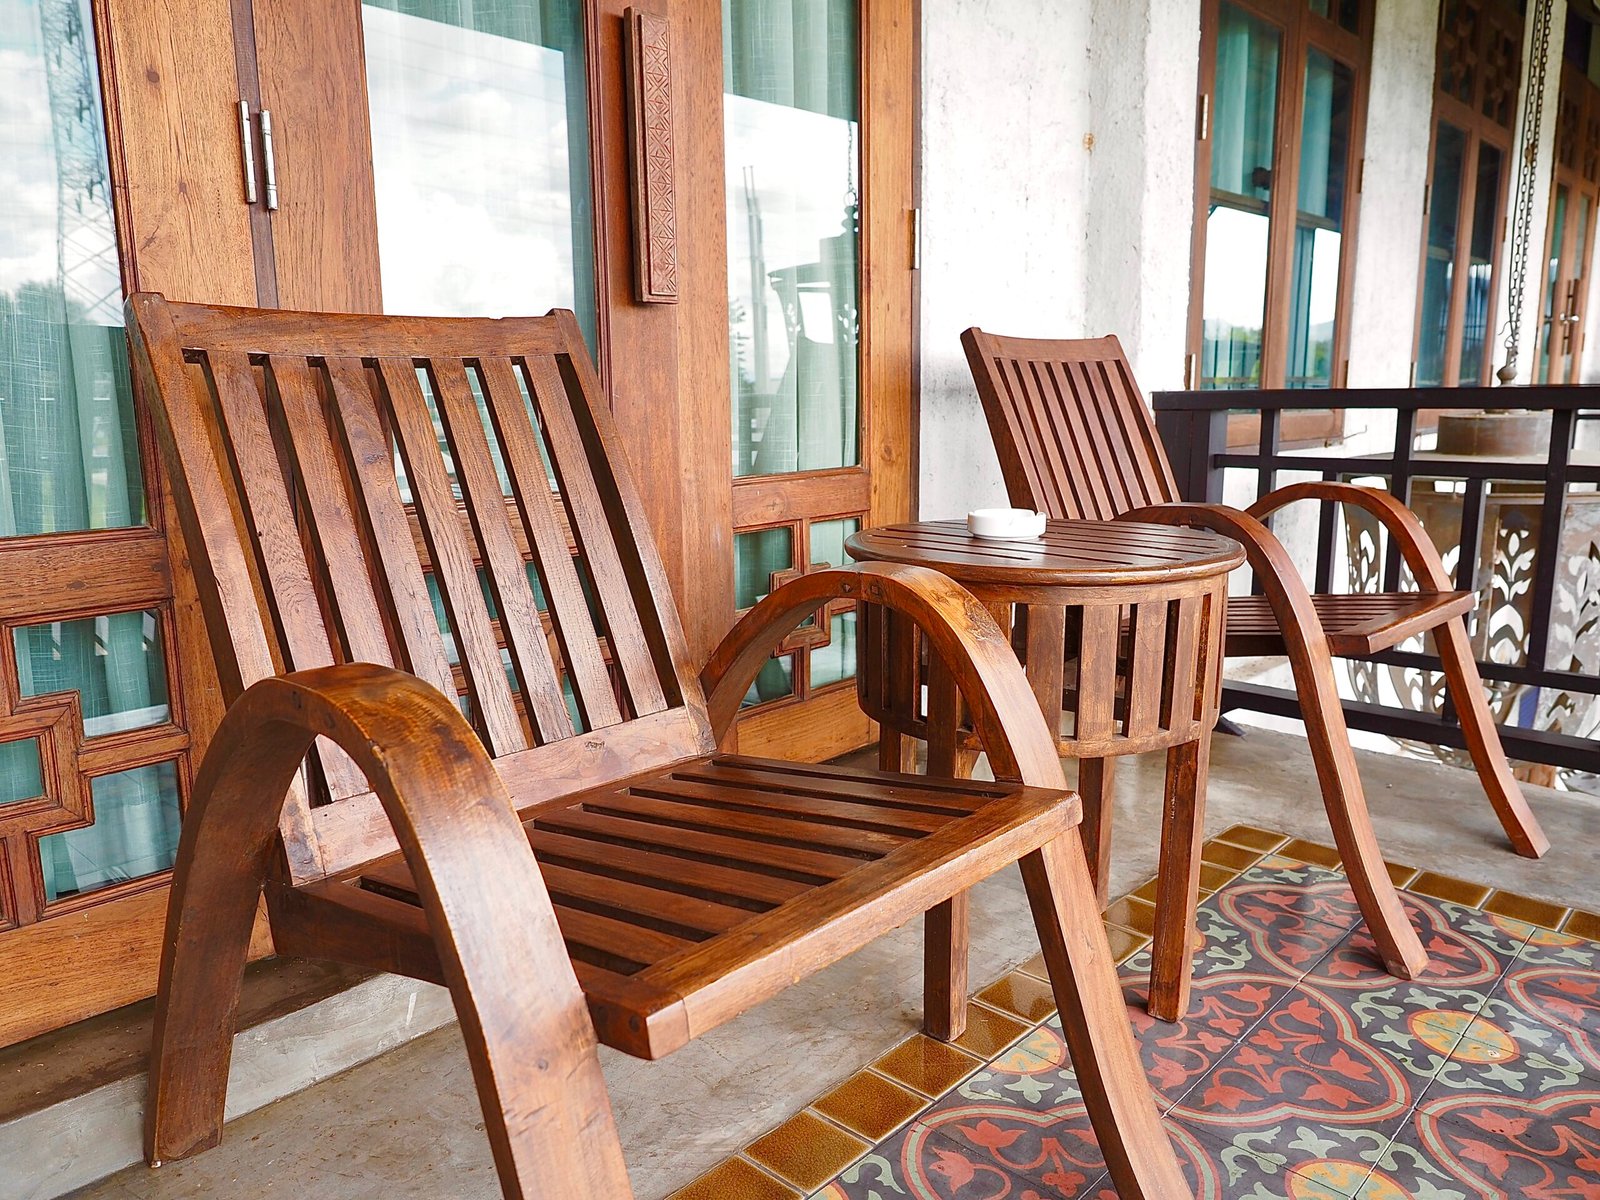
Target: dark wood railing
1543	599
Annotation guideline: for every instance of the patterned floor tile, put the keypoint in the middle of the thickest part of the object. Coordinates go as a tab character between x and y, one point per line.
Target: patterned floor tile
1302	1070
1481	1146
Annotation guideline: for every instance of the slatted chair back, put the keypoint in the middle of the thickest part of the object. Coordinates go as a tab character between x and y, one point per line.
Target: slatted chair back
441	495
1075	436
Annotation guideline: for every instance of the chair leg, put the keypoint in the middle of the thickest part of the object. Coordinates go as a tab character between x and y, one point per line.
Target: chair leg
1483	740
945	944
1096	785
945	957
1346	802
1121	1105
1182	830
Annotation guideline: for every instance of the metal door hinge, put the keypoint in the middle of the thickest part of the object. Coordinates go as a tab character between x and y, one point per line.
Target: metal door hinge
1361	175
247	157
1188	372
1204	129
916	239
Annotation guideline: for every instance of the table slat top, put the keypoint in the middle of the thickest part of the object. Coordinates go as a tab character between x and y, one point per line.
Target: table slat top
1069	554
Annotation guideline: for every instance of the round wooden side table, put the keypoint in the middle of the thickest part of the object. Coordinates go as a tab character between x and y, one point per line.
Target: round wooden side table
1119	626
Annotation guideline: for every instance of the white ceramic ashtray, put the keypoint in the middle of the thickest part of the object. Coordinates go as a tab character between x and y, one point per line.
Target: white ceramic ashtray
1005	523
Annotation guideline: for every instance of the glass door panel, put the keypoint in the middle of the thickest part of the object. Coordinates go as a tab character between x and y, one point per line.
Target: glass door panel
1329	101
480	157
791	124
1438	272
1549	340
1244	134
1480	264
791	130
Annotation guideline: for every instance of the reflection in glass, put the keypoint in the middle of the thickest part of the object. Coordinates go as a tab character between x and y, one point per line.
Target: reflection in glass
1319	224
21	774
480	156
1480	264
790	114
836	661
828	538
113	662
1438	272
757	556
135	834
69	448
1243	127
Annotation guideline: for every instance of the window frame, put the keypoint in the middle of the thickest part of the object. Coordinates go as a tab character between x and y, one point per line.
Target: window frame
1302	32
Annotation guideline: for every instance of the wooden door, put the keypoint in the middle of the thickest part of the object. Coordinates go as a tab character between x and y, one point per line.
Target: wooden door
100	706
819	187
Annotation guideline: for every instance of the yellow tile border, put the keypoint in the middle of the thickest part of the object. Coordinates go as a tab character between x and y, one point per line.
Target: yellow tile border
1227	856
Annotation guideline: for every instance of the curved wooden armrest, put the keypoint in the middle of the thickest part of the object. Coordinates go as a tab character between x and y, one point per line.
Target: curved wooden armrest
1280	578
959	629
1421	555
476	877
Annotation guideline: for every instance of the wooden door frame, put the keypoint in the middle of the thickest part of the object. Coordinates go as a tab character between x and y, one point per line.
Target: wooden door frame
1301	31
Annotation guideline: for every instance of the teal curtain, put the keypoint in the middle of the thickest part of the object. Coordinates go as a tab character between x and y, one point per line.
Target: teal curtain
1319	226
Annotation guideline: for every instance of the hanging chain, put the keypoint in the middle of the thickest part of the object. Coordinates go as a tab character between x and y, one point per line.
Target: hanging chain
1522	212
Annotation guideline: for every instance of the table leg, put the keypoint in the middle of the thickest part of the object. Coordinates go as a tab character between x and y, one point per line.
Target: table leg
946	931
1096	783
1178	884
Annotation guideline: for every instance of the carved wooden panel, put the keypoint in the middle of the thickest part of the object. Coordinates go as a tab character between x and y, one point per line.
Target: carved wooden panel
655	220
1479	56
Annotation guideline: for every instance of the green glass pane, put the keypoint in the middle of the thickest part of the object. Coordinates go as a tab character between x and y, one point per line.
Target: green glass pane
756	555
791	132
1438	272
774	682
828	538
135	834
837	660
480	156
69	446
1244	110
1480	262
1243	130
21	776
1319	223
113	662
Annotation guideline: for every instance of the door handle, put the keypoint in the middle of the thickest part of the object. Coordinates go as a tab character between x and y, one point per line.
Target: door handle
247	153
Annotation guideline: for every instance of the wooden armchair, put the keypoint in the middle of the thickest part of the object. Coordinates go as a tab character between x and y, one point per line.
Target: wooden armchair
576	836
1076	439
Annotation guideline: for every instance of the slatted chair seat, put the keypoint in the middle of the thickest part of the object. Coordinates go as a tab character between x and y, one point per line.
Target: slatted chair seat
1356	625
465	742
1077	441
661	881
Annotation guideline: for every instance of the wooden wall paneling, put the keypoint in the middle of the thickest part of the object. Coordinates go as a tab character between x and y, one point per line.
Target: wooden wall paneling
313	80
890	99
697	399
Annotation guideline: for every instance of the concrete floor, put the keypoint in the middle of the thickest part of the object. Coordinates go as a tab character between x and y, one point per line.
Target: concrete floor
407	1124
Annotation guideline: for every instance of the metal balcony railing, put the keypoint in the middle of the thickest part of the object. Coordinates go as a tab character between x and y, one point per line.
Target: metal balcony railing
1523	531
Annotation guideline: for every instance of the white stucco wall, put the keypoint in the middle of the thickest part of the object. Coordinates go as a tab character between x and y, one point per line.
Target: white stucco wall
1383	308
1005	223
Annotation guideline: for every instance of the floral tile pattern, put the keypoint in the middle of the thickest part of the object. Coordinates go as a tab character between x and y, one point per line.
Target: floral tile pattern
1302	1069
